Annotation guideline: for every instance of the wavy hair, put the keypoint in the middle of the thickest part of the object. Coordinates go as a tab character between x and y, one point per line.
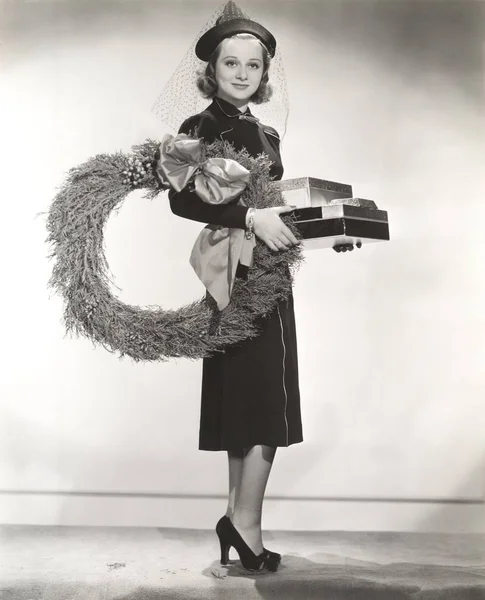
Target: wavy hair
206	79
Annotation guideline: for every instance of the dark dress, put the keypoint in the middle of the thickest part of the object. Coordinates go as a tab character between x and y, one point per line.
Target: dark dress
250	392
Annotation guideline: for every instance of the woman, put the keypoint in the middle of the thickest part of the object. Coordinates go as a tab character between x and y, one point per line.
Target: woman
250	401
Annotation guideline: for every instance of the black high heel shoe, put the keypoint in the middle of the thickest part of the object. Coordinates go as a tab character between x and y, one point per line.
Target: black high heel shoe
274	556
229	536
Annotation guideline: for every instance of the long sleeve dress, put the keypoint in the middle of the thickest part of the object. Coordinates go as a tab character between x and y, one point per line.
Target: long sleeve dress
250	392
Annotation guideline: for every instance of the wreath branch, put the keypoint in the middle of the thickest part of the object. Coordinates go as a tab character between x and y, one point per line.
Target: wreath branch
81	274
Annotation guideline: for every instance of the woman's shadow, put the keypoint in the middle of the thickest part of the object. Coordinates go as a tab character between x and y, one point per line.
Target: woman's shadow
332	577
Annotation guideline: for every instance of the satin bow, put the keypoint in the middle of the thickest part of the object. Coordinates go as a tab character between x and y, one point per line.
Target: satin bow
217	250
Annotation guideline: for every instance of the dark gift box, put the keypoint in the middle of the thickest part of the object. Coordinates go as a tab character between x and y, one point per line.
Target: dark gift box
328	215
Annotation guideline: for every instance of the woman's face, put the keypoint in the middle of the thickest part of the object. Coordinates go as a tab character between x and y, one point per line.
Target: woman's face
238	70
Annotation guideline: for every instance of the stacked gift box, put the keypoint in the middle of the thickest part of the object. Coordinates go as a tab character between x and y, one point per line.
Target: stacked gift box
328	215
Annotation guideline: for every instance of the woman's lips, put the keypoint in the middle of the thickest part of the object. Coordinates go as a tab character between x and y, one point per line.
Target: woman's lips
240	86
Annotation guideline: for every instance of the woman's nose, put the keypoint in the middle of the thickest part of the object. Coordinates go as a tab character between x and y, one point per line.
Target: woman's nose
242	73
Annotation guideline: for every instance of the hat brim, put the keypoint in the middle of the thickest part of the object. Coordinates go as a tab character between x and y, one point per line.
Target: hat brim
214	36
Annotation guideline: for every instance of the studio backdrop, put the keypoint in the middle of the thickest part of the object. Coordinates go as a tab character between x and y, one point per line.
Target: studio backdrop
386	96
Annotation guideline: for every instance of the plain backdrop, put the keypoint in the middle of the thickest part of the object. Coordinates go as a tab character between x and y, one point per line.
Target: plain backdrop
387	96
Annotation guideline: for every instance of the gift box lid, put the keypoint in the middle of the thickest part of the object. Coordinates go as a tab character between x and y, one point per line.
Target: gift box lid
313	182
360	202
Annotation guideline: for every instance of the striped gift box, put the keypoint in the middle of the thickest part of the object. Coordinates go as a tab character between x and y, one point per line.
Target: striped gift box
328	215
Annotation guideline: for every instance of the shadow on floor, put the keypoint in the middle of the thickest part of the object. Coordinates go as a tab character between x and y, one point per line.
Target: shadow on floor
301	578
297	579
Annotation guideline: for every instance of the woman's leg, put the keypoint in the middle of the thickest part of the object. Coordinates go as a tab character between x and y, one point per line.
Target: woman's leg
256	467
236	461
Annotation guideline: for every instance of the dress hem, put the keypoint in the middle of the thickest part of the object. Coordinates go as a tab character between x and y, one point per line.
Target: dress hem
249	445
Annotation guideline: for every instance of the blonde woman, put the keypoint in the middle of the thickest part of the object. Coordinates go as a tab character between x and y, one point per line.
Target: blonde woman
250	402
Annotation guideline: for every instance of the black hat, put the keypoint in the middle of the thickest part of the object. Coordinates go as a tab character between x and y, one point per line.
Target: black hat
225	28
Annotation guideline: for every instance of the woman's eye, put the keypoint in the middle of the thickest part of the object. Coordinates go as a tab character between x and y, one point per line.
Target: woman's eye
232	63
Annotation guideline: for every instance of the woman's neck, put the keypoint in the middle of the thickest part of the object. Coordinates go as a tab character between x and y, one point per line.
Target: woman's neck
239	104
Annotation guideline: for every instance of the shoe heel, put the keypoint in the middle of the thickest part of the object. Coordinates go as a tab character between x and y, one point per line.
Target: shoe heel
224	544
225	547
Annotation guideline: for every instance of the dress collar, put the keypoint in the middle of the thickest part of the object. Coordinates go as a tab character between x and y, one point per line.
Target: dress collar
229	109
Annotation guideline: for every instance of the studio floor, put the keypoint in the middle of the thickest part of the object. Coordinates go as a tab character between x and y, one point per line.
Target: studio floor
125	563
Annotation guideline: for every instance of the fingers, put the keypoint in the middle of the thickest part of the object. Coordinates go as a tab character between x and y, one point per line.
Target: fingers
286	235
289	236
272	245
285	239
282	209
279	243
346	247
276	244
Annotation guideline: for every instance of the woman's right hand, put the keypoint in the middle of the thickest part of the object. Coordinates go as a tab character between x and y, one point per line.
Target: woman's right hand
270	228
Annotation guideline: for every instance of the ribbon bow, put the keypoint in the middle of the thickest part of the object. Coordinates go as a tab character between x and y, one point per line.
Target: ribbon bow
217	250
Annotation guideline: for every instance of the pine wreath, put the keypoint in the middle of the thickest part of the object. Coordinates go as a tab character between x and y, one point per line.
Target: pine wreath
75	223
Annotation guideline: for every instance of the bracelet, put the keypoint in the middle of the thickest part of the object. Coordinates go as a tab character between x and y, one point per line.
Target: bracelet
249	223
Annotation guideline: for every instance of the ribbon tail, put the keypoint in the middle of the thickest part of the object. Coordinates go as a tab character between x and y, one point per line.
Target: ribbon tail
214	258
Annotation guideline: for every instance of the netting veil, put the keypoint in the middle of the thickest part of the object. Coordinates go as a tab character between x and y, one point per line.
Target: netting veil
181	99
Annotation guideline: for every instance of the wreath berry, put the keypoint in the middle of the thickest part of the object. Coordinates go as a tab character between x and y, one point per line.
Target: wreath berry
75	224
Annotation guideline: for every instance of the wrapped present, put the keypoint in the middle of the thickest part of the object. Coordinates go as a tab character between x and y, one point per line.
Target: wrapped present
328	215
309	191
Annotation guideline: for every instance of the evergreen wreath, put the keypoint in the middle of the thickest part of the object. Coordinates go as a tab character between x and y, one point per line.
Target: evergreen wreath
75	223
